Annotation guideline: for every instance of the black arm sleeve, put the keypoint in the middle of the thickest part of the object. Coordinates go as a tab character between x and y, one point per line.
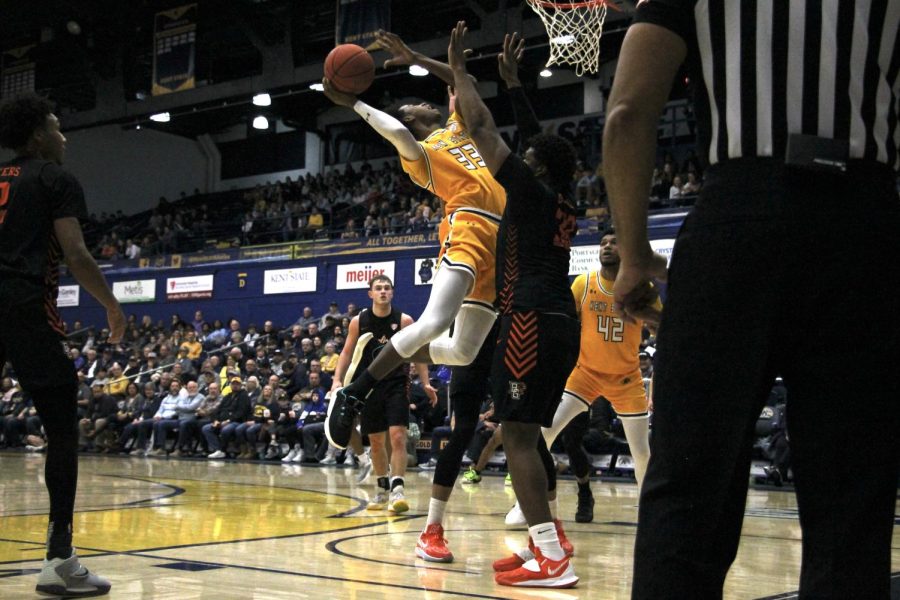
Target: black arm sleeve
526	121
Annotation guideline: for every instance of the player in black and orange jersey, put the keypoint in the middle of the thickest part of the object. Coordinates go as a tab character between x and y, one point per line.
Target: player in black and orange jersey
443	158
539	331
385	418
40	205
608	365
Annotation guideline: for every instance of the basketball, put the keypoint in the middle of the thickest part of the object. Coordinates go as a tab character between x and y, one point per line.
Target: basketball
350	68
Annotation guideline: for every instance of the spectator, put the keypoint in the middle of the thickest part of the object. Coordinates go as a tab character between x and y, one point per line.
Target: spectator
142	423
103	410
166	418
334	313
190	431
234	410
311	422
329	359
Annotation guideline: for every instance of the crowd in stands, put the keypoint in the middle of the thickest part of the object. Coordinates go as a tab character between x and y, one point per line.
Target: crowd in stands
344	203
222	390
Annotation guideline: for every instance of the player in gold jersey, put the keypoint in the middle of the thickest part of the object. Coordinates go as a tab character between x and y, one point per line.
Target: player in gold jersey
442	158
608	365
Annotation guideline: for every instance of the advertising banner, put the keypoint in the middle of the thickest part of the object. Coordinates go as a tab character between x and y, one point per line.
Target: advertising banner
289	281
357	275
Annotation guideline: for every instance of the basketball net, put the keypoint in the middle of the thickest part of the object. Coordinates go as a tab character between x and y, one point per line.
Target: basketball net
574	29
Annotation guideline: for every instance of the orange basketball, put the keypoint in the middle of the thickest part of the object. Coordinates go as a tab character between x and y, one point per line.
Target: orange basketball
350	68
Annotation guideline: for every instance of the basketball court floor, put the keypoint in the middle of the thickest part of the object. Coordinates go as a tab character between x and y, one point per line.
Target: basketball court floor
186	529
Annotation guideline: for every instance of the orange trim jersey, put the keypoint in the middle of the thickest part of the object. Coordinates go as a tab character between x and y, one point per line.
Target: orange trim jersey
609	344
453	170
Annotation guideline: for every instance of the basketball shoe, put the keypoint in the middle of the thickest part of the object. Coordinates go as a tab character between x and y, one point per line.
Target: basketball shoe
69	579
585	511
432	546
540	571
345	405
379	501
471	477
398	501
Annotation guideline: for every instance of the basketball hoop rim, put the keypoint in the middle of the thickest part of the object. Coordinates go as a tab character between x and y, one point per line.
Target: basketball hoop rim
571	5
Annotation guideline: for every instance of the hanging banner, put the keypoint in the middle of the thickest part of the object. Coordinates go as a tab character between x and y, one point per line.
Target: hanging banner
174	47
358	20
17	72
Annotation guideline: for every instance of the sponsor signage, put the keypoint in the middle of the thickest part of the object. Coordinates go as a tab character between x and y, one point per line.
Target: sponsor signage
583	259
143	290
189	288
663	247
425	270
69	295
357	275
290	281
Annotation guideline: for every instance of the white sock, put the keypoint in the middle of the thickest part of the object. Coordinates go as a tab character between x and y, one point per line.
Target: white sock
637	433
436	510
554	508
545	538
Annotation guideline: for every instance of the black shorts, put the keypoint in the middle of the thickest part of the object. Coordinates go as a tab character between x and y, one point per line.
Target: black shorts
388	406
535	354
37	352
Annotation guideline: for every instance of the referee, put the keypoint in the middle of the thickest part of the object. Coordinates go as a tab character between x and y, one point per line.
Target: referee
784	267
40	205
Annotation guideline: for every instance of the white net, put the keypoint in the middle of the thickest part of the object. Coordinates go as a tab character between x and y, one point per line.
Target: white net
574	29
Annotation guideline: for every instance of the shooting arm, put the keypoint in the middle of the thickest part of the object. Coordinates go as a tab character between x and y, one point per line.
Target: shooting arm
390	129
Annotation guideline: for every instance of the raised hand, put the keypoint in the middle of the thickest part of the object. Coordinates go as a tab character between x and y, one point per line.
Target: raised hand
508	60
402	55
456	54
336	96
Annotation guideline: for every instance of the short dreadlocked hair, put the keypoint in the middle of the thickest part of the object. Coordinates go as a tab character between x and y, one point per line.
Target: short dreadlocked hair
20	117
558	155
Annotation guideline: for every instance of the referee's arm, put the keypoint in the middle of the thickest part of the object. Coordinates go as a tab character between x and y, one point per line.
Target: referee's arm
649	60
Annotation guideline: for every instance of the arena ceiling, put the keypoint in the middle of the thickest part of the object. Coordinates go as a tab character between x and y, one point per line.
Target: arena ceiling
99	69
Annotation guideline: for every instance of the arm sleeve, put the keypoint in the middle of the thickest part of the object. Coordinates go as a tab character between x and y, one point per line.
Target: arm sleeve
526	121
390	129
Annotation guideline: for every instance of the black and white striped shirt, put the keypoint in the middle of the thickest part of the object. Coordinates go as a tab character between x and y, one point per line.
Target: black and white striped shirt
765	69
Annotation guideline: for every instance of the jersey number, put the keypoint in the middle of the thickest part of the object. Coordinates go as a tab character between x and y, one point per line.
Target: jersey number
611	328
4	198
468	156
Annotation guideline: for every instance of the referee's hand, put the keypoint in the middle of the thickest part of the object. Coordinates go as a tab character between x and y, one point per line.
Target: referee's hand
634	296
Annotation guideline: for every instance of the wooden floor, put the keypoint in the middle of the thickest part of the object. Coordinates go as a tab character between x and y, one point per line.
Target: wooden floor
184	529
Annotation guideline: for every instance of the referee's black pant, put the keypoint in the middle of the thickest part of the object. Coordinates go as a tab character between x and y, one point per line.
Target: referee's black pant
778	272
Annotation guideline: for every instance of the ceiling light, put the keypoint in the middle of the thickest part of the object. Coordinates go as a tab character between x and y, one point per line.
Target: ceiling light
262	99
162	117
418	71
546	73
260	122
317	87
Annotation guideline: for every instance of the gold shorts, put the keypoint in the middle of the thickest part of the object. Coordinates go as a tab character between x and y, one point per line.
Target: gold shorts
469	243
626	392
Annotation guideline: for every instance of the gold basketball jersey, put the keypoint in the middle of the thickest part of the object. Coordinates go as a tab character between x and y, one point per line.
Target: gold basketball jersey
609	344
453	170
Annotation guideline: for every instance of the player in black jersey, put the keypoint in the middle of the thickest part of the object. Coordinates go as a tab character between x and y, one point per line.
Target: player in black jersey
387	408
40	205
539	330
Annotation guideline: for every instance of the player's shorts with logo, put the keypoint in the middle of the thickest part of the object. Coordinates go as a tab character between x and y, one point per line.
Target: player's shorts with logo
387	406
535	352
28	339
469	242
625	392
